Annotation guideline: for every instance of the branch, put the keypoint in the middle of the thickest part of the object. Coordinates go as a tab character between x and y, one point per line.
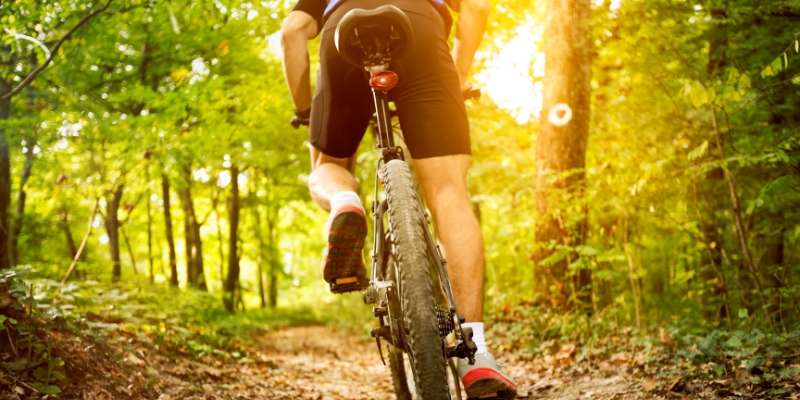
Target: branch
78	254
28	79
33	40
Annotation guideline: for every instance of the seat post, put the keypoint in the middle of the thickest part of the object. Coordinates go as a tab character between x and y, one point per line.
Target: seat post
384	122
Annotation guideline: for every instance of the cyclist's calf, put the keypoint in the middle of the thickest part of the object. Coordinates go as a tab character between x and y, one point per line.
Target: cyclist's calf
330	175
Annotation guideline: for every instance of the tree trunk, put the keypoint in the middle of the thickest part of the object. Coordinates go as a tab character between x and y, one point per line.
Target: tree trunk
199	274
188	241
747	264
232	281
274	264
19	215
149	226
128	247
220	243
709	192
112	229
173	263
775	273
561	151
262	258
72	247
5	177
194	244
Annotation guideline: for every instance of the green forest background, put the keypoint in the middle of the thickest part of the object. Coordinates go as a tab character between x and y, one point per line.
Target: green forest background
157	131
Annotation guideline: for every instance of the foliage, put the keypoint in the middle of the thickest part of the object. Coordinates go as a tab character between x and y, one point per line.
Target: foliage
691	196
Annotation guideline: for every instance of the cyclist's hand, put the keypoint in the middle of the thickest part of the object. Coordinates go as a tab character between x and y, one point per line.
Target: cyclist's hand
301	118
471	93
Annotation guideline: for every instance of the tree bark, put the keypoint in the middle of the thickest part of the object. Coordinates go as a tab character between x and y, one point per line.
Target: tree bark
112	229
173	263
232	281
561	151
5	177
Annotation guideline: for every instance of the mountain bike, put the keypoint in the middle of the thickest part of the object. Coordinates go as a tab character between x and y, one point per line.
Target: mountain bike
409	286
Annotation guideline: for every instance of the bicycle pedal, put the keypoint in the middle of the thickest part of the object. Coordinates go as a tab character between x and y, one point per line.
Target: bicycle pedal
348	284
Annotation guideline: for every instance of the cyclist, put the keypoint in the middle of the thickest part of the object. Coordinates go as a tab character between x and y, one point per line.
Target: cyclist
436	130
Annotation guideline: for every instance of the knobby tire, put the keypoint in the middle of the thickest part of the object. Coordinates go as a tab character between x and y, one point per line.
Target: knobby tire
411	255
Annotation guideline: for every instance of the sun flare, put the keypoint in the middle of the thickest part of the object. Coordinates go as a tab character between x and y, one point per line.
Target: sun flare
511	75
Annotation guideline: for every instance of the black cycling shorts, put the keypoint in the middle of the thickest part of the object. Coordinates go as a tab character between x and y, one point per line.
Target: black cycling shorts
428	96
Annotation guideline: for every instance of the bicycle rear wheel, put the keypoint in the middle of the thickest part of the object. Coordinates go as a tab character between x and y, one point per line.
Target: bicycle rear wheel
418	304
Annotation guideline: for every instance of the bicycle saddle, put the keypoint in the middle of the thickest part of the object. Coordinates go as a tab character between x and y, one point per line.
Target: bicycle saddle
373	37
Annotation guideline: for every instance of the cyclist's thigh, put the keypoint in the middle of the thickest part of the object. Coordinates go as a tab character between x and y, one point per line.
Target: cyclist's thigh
341	107
429	98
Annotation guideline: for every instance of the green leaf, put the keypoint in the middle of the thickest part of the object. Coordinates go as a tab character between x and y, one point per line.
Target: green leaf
774	67
734	342
755	362
697	93
46	389
744	82
743	313
698	151
587	251
777	64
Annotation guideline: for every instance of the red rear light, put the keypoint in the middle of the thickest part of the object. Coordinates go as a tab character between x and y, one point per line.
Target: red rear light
384	80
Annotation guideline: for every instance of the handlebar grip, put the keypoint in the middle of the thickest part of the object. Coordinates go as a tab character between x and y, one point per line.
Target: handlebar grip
297	122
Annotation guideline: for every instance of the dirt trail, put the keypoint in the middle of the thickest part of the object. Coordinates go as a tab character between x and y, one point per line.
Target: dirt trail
324	363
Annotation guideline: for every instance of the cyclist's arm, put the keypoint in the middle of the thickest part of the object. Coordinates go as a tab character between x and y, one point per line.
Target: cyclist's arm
469	32
298	28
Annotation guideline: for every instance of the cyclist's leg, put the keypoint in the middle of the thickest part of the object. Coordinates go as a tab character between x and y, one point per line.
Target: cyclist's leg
444	184
330	175
339	115
435	126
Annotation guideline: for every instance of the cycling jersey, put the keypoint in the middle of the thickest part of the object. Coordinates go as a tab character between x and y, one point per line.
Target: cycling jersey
322	9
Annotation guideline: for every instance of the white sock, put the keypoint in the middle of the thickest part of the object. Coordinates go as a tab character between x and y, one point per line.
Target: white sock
339	199
477	336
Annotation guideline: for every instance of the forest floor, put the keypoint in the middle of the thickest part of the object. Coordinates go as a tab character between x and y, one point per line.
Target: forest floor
109	342
321	362
324	362
307	362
